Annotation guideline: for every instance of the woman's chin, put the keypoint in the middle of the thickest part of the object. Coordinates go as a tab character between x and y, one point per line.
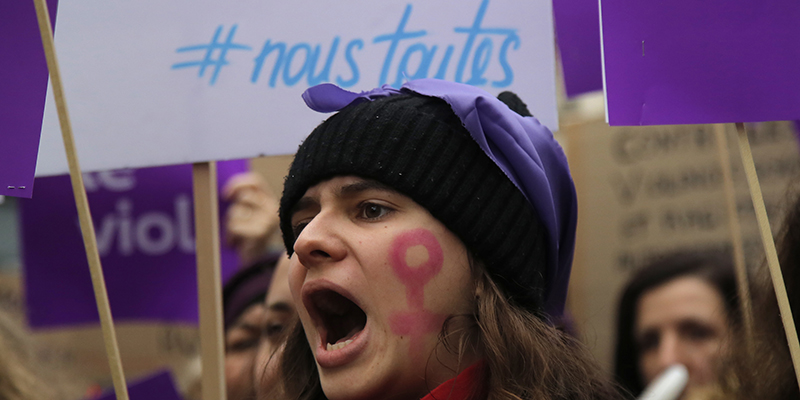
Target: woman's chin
372	381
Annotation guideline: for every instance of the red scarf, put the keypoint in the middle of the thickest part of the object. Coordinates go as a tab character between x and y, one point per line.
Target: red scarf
467	385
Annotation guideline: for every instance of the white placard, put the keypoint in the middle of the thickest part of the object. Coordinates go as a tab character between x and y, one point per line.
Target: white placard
154	82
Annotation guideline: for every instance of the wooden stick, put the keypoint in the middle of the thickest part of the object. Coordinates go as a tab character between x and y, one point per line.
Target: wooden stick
82	203
746	301
209	279
769	248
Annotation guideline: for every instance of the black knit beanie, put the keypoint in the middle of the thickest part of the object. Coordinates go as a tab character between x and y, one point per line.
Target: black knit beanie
418	146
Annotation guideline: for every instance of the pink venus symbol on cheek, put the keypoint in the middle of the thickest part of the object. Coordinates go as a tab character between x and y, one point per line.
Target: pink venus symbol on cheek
417	322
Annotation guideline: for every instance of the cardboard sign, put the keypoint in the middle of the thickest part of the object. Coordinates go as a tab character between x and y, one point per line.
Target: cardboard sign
23	81
156	83
144	224
158	386
647	191
689	62
578	36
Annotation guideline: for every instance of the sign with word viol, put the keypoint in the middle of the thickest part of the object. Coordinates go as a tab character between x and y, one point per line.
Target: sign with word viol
154	82
145	236
689	62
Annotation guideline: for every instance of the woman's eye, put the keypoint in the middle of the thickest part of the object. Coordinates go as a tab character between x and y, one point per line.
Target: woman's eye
648	342
273	330
373	211
297	229
697	332
242	345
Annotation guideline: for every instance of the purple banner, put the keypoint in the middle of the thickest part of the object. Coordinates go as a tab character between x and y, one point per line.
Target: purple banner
578	37
690	62
158	386
144	223
23	87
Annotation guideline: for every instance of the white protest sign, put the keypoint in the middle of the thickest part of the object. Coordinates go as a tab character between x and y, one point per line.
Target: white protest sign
156	82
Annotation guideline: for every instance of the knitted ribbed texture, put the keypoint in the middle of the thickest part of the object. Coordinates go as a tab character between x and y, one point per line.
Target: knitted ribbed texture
417	145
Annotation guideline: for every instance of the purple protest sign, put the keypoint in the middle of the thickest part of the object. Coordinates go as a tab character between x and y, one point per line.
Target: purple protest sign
690	62
144	224
578	36
23	87
158	386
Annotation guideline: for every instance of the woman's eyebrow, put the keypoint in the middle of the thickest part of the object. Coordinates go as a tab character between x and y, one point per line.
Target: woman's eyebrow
280	306
304	204
362	186
247	326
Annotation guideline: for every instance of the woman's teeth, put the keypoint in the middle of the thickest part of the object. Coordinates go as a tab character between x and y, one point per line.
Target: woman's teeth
337	346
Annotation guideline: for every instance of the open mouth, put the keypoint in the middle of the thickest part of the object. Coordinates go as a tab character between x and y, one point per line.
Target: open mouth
340	318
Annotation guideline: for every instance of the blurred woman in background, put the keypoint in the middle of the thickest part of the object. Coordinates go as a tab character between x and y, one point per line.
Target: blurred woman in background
677	310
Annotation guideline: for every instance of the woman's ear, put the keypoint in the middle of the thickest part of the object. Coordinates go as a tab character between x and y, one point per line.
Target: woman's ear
479	290
479	276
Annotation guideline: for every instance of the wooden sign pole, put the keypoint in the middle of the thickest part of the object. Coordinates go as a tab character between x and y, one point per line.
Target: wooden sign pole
769	248
209	279
746	301
82	203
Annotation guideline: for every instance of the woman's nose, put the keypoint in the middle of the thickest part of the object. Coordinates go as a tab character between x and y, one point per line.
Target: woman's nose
668	351
320	242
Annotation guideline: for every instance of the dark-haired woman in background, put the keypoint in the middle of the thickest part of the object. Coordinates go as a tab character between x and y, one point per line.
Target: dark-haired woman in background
677	310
